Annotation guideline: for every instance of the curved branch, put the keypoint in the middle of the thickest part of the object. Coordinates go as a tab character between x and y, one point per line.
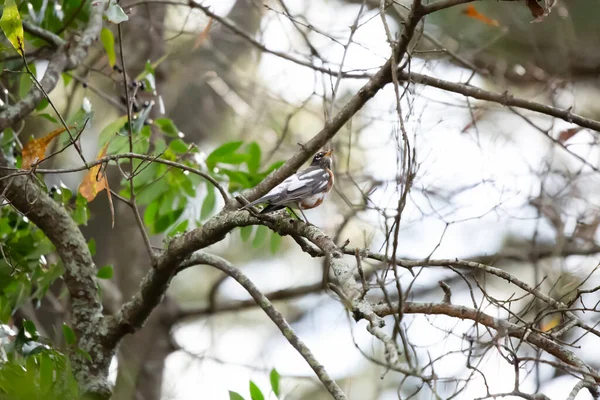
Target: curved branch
275	316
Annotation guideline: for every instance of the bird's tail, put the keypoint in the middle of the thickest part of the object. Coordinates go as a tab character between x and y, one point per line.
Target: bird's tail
271	208
264	199
255	202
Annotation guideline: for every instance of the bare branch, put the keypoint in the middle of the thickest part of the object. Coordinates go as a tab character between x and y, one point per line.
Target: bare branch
498	324
274	315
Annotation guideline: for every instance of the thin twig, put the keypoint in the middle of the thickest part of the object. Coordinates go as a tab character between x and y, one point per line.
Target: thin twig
133	203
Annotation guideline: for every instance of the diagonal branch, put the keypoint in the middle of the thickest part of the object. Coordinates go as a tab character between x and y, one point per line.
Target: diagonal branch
275	316
502	326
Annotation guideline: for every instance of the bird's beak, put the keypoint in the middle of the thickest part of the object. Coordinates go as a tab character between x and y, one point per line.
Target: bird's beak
329	153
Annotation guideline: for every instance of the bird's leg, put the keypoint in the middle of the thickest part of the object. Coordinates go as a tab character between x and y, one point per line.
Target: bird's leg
293	213
305	219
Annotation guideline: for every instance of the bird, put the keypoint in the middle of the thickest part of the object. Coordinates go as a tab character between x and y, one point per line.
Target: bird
304	190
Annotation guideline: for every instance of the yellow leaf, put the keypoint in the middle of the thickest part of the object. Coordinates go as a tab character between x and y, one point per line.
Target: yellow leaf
12	26
35	149
95	181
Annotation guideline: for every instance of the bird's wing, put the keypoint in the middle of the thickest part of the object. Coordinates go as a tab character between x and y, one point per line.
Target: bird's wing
298	186
304	183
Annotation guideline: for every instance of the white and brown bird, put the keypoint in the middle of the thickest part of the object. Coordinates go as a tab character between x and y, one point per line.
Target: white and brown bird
304	190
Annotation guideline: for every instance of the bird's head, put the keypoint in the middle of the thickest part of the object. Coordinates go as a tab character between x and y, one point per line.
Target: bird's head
322	159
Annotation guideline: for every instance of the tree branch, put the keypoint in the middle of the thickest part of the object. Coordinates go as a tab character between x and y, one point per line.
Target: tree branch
133	314
275	316
505	99
502	326
88	323
67	56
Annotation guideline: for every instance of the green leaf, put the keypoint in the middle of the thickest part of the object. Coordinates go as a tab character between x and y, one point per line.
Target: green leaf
209	202
81	214
105	272
165	221
92	247
48	117
150	213
108	41
178	146
31	329
43	104
25	82
260	236
46	373
66	195
255	392
235	396
141	118
275	244
274	378
115	14
253	161
167	126
147	75
178	229
69	335
274	166
84	354
66	78
221	152
246	232
11	25
111	129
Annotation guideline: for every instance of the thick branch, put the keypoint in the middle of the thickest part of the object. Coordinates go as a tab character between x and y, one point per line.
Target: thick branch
332	126
134	313
32	201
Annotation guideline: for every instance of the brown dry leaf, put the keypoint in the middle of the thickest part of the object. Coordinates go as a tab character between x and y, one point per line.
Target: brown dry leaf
472	12
35	149
568	134
203	35
95	181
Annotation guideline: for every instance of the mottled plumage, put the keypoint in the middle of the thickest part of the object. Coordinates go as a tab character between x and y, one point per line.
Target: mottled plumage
304	190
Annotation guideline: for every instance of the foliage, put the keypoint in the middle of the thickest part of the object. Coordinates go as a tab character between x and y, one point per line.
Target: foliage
31	369
255	392
28	263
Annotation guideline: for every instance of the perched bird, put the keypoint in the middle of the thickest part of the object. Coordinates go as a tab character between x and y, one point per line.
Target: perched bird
304	190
